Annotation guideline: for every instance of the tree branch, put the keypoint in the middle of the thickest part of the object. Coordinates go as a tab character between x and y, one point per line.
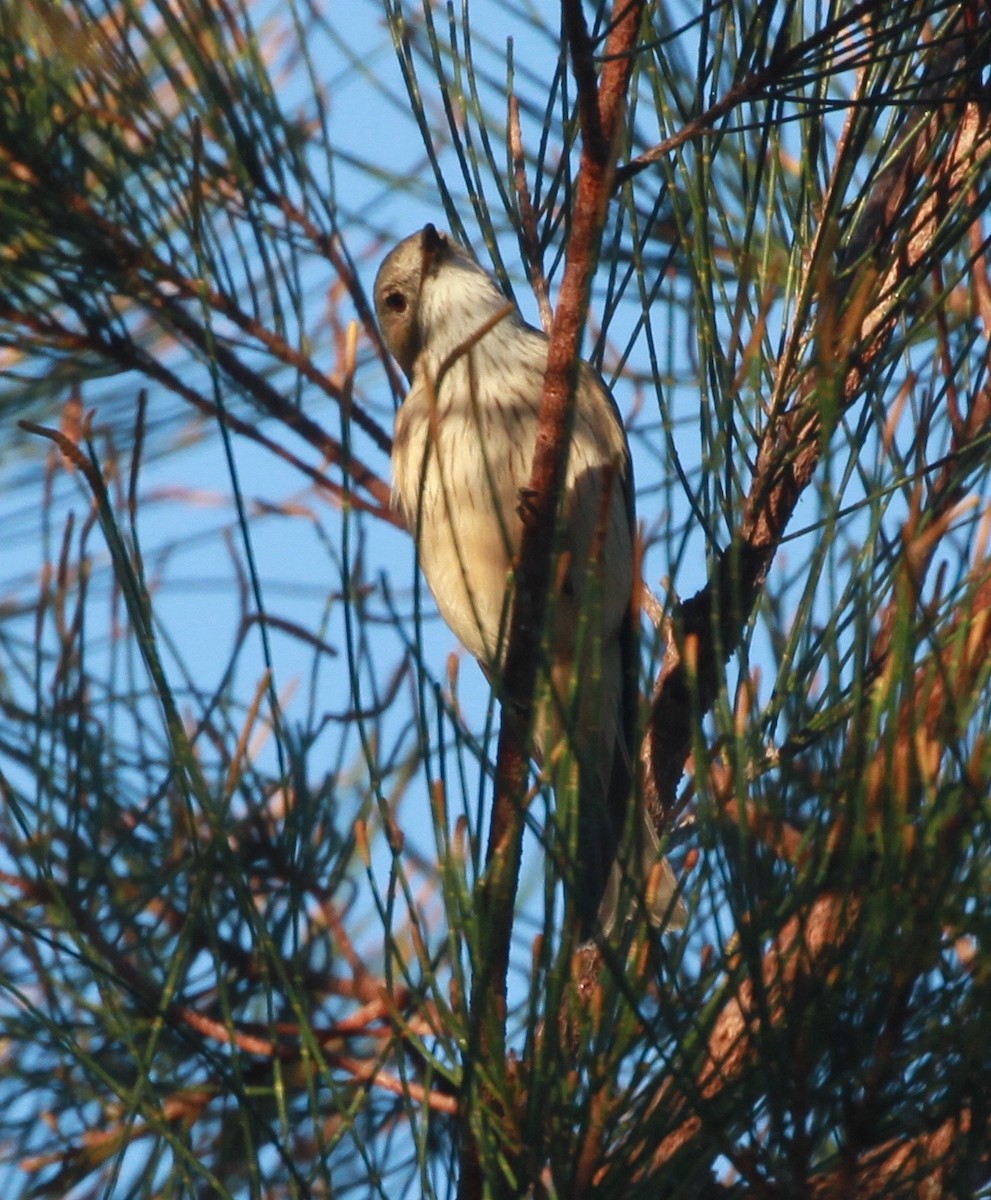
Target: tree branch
602	114
711	624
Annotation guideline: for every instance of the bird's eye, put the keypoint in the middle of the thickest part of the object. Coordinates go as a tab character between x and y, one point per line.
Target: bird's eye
396	302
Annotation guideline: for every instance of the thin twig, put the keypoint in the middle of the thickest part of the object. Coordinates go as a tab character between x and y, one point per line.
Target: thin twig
528	219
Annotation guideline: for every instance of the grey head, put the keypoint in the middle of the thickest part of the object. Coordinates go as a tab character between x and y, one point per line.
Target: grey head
399	289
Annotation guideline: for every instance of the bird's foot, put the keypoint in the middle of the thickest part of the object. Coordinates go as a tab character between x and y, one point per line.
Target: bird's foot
526	508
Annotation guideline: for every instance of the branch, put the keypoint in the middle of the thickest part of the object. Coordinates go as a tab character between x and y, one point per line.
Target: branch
158	286
601	112
808	940
711	624
128	355
900	1167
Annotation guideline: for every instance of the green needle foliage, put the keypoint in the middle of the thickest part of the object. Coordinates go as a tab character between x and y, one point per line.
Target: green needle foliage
246	778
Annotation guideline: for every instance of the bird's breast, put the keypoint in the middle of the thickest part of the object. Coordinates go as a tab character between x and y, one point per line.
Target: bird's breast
459	462
463	452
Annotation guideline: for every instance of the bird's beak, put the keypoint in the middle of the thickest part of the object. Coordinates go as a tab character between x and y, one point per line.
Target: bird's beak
431	247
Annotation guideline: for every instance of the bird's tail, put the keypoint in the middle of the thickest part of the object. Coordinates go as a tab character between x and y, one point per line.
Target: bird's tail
620	874
641	877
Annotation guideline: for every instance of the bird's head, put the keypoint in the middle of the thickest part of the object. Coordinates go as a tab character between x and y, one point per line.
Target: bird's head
431	294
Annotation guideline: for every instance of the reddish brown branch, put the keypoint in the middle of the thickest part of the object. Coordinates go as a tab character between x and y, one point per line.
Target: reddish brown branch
907	226
602	111
534	571
905	1166
711	624
923	729
528	218
535	563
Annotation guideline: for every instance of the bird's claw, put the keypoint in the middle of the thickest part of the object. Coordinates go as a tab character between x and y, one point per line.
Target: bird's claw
526	508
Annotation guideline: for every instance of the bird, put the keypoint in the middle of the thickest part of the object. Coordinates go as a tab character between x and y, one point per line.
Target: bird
463	448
